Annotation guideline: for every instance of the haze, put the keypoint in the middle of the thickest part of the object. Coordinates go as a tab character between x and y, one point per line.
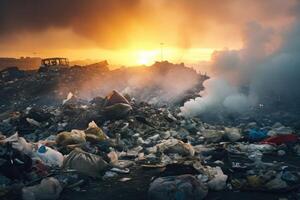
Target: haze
131	32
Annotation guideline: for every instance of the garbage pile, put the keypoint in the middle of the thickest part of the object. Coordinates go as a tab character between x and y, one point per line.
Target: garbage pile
163	82
52	152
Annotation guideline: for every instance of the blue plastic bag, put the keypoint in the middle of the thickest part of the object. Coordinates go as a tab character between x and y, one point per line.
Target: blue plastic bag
257	135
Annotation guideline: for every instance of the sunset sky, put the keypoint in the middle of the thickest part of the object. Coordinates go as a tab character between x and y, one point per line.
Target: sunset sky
130	32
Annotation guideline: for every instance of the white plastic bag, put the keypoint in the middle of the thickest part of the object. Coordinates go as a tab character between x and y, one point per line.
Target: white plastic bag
48	189
20	144
70	95
219	181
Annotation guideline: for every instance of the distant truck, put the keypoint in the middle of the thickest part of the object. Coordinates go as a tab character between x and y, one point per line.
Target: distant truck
53	64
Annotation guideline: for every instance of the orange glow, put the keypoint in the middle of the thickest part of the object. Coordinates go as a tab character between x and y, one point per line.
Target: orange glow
133	57
139	51
130	32
147	57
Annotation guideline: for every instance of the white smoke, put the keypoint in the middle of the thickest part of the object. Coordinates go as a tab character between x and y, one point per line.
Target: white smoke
162	83
264	71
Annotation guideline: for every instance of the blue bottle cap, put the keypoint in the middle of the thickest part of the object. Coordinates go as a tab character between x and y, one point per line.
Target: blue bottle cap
42	149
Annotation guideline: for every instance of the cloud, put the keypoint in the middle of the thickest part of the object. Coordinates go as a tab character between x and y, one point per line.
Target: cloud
114	24
99	20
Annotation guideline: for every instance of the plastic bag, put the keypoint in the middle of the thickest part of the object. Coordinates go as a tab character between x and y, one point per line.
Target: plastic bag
219	181
20	144
257	135
176	146
67	138
184	187
281	139
233	134
86	163
115	98
94	133
70	95
48	189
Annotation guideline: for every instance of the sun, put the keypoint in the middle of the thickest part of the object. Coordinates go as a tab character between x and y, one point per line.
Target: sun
146	57
144	61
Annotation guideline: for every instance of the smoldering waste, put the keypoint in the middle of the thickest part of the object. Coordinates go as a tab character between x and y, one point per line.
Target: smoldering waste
122	147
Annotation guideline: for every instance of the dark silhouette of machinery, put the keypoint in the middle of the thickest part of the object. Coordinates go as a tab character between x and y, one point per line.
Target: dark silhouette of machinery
53	64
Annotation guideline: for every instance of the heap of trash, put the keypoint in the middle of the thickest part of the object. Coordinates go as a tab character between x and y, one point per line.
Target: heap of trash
136	150
78	132
162	82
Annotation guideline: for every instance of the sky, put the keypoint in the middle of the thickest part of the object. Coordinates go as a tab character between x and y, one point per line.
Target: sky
135	32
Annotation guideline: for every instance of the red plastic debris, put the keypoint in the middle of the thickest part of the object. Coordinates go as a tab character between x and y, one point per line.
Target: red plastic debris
40	169
280	139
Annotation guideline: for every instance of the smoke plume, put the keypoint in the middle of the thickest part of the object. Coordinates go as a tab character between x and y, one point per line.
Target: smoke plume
264	72
161	83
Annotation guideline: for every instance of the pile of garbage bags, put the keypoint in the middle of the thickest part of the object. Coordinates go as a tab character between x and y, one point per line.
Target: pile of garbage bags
46	151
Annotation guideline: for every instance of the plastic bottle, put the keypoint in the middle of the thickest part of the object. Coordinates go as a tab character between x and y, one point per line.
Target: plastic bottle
50	156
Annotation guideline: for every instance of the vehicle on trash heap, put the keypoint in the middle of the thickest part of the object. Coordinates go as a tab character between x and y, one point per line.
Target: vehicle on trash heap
53	64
